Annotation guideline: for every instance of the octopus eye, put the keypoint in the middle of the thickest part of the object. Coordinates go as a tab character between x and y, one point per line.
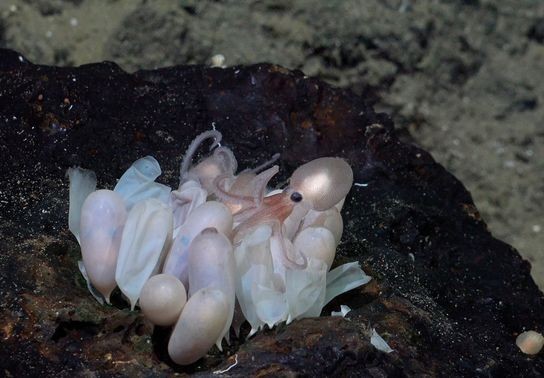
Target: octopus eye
296	197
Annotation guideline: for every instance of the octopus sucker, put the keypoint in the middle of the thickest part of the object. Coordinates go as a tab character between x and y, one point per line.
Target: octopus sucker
223	247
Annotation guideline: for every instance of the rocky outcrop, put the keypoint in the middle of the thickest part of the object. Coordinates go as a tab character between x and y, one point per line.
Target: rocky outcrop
447	297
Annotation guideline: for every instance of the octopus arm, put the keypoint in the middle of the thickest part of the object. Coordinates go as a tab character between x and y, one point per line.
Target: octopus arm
288	250
187	159
227	196
266	164
260	183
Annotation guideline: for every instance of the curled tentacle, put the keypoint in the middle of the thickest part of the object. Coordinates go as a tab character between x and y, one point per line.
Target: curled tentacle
186	162
221	163
226	158
266	164
237	194
260	182
287	261
227	196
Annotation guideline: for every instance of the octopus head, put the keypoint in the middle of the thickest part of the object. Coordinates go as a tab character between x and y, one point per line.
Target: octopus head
321	183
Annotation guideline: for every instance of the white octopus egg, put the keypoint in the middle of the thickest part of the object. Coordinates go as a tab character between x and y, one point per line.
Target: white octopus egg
162	299
317	243
103	216
199	326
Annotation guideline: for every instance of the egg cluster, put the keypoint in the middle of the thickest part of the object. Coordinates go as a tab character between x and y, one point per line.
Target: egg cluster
220	249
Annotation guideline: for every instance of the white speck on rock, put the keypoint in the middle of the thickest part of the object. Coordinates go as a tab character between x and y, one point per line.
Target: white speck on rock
379	343
343	311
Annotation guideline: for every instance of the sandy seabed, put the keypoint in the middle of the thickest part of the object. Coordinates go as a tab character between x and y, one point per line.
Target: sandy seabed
463	79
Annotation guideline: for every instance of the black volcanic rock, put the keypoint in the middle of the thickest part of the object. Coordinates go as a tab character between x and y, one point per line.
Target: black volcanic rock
448	297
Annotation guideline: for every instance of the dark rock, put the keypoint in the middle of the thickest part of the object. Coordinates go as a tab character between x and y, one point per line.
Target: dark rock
536	31
448	297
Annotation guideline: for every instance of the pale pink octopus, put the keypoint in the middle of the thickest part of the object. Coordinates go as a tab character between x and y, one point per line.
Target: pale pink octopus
318	185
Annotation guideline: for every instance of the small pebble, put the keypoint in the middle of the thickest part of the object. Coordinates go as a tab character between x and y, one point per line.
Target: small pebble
218	60
530	342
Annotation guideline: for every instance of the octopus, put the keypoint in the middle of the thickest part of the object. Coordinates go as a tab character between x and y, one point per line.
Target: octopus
222	240
317	185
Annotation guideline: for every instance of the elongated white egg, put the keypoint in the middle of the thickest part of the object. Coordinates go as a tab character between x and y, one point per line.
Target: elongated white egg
199	326
103	216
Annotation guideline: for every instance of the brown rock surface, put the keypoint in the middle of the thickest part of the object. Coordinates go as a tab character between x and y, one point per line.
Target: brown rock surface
448	297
